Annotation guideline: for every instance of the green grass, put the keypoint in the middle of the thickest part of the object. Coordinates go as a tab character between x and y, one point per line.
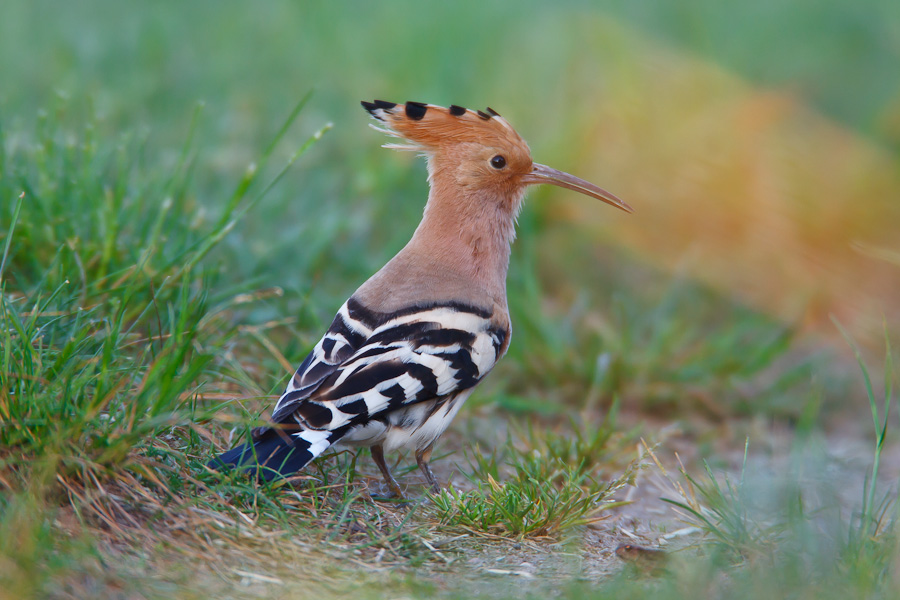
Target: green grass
723	510
800	533
111	334
110	329
542	484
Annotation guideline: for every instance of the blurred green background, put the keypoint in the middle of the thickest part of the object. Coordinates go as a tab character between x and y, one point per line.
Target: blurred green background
614	91
148	60
757	141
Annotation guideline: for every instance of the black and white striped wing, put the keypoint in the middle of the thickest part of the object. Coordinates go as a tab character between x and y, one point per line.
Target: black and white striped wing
421	354
365	366
345	335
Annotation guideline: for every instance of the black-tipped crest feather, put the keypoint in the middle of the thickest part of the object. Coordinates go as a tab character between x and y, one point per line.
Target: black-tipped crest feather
416	110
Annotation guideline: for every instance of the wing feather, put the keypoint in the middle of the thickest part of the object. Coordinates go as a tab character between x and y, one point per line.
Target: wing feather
414	356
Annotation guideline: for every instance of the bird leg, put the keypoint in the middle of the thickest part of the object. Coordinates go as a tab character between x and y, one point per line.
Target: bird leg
422	458
378	457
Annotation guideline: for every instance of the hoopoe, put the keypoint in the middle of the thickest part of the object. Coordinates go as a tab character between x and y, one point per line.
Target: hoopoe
406	350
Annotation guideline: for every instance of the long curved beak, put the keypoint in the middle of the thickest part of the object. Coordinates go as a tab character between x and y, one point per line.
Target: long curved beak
545	174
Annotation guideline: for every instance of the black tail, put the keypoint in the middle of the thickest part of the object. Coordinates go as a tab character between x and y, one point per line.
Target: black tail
272	456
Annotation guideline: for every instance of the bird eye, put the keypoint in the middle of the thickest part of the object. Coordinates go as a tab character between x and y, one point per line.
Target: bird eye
498	162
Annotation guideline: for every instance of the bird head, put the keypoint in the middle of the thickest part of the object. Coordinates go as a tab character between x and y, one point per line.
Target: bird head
475	151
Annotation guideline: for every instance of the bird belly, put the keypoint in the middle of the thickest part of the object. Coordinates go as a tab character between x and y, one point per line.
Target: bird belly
419	425
372	433
416	426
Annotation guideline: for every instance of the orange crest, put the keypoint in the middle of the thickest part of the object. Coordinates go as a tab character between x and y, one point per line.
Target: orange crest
429	128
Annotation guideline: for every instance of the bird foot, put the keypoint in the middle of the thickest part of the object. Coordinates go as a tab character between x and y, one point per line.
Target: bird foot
395	494
422	458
